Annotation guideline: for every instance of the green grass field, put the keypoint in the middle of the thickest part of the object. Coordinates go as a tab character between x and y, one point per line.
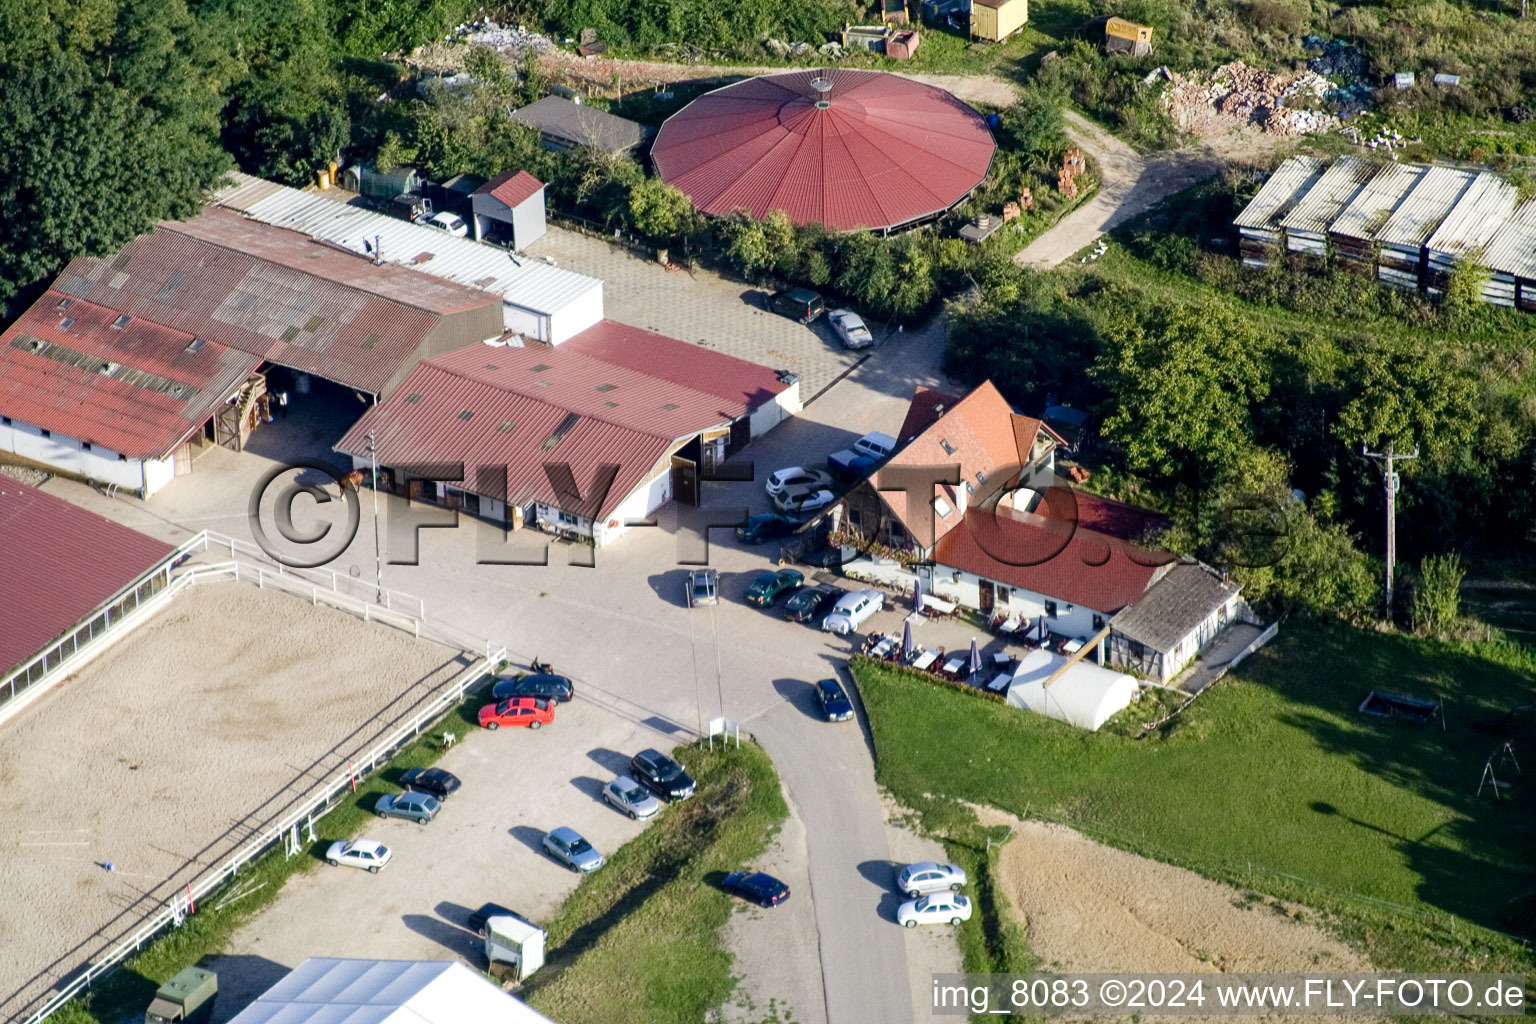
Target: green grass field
640	939
1272	781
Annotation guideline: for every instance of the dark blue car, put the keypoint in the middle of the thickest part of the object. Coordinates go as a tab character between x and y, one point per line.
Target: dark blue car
764	527
543	685
756	887
834	703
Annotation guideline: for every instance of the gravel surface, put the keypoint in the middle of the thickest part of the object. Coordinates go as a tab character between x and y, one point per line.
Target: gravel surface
172	747
1090	907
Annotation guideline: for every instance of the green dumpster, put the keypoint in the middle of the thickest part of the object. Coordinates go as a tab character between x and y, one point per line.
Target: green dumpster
185	999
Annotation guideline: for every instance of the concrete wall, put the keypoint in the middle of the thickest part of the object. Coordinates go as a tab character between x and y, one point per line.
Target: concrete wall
91	461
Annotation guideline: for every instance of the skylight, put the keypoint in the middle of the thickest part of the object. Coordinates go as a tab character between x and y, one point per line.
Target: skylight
122	321
941	507
949	449
559	432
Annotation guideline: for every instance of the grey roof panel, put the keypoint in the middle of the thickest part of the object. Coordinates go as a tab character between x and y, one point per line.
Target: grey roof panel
1423	209
1174	606
1513	251
1477	217
1377	201
1280	193
1332	192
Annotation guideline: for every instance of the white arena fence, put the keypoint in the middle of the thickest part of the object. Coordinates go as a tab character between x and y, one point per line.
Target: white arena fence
246	562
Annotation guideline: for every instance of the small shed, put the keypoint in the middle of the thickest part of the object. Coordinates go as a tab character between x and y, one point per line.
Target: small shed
1512	259
1478	216
1353	230
865	37
1258	225
1085	695
996	20
364	180
1121	36
1400	241
509	209
1404	80
1306	225
893	12
902	45
565	125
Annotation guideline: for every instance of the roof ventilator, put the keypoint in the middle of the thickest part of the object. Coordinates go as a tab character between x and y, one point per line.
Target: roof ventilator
823	85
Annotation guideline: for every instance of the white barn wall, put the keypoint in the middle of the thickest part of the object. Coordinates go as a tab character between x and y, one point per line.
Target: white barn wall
1070	620
96	463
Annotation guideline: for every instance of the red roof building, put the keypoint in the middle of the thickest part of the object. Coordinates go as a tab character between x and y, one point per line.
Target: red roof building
511	187
848	149
613	396
509	209
59	565
139	389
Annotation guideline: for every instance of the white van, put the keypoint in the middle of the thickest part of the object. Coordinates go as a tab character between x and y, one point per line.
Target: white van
876	445
851	610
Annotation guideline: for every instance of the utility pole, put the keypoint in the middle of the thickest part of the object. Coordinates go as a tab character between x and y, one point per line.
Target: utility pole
1389	480
378	561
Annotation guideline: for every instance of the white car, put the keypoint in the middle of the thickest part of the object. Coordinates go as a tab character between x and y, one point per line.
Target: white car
449	222
630	797
938	908
359	853
796	477
850	327
928	876
804	501
851	610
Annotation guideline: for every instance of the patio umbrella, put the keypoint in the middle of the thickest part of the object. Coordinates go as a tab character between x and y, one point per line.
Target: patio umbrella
917	595
1042	629
974	665
906	641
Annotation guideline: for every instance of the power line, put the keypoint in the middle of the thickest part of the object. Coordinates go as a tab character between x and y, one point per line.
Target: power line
1389	481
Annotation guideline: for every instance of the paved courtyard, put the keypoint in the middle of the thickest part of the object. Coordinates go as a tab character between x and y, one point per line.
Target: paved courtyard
705	309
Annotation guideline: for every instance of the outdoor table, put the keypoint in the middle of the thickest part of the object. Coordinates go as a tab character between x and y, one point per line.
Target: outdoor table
883	648
953	666
925	659
1010	625
1000	682
1072	646
1001	658
938	604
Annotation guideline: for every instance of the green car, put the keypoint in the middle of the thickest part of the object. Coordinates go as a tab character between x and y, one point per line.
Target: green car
767	587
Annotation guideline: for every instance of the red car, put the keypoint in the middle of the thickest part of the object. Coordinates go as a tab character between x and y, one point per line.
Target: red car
530	711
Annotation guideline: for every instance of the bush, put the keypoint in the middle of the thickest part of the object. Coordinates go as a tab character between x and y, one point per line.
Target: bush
1437	594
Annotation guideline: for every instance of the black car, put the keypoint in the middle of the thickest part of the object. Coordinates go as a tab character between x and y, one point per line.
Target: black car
810	603
764	527
834	703
764	890
547	686
798	304
435	781
662	774
478	918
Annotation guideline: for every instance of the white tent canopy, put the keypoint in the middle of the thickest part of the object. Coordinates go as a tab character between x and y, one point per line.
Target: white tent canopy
1085	695
330	990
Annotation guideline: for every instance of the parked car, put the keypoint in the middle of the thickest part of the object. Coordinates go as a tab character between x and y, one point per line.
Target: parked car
662	774
532	712
804	503
418	807
809	603
703	587
791	477
863	457
929	876
764	890
436	781
359	853
834	703
630	797
568	847
767	588
850	327
851	610
938	908
768	526
449	222
485	913
798	304
539	684
410	206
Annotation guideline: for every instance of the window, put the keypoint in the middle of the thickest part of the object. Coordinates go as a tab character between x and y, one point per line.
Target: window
1098	622
969	489
122	458
981	476
5	421
949	449
66	323
567	519
941	507
196	345
85	446
123	319
47	433
1050	609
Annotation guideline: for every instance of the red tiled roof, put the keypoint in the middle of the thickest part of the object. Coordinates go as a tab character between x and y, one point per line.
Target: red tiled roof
1101	515
59	563
982	434
511	187
927	406
272	293
1051	558
714	373
883	151
136	410
630	412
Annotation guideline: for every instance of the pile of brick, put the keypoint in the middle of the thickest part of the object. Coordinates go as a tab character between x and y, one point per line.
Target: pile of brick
1236	96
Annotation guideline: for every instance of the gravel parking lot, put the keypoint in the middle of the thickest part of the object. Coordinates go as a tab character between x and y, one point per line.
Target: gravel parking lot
172	748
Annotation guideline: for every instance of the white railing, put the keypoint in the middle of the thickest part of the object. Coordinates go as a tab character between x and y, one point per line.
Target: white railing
248	564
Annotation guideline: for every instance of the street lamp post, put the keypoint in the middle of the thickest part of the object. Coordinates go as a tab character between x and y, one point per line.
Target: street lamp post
378	561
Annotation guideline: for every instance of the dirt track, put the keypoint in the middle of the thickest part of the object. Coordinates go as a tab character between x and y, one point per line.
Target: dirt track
1089	907
159	755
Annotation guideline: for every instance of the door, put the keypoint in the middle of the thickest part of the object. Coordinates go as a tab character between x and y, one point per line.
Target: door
988	597
685	480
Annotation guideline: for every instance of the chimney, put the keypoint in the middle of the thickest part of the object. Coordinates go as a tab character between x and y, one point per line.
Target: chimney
378	250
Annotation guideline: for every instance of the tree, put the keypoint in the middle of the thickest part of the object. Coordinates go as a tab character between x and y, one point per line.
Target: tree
1407	399
1464	292
659	211
1033	125
288	120
746	245
1437	593
1186	379
100	141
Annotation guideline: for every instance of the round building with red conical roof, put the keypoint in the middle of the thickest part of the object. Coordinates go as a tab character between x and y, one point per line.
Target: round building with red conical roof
848	149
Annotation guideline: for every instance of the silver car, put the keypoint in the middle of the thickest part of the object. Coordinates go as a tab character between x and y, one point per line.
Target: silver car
851	610
568	847
418	807
850	327
630	797
928	876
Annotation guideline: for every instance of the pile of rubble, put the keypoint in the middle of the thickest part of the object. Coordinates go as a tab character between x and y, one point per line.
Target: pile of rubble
799	51
1237	96
511	41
